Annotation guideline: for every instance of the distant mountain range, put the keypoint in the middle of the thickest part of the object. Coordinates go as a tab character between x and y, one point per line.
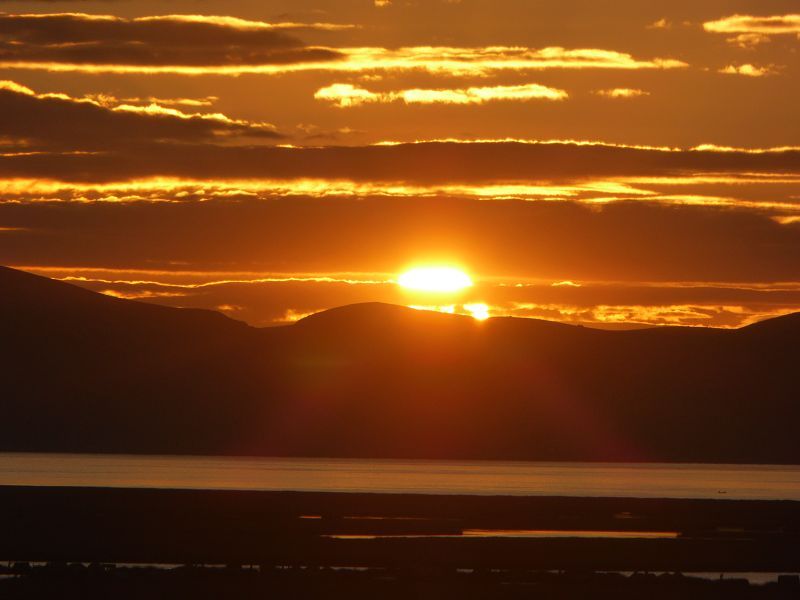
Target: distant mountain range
83	372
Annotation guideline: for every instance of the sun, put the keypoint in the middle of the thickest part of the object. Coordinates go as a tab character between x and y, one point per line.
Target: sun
435	279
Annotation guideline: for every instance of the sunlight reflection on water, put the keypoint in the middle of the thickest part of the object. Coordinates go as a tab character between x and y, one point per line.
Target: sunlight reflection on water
651	480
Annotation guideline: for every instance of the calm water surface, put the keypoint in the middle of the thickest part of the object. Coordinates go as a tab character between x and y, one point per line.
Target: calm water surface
652	480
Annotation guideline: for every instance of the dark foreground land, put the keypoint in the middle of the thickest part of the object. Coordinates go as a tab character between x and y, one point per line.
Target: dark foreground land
72	542
110	581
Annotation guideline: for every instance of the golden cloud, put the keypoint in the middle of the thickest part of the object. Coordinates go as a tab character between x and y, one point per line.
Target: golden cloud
718	148
603	303
192	280
778	24
141	295
685	315
751	31
590	192
749	40
110	101
346	95
484	60
237	23
169	189
749	70
443	60
215	21
662	23
622	93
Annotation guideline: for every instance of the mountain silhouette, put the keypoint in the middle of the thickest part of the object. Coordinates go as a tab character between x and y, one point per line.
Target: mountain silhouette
84	372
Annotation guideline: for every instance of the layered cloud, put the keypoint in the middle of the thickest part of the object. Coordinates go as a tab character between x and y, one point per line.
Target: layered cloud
558	240
597	176
104	42
194	44
748	31
346	95
481	61
767	195
218	210
442	163
60	121
769	25
112	101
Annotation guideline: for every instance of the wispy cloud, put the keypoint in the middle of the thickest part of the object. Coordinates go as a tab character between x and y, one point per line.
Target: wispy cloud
264	299
622	93
662	23
749	40
183	278
578	190
748	31
346	95
457	162
111	101
485	60
78	41
749	70
60	120
198	44
685	315
770	25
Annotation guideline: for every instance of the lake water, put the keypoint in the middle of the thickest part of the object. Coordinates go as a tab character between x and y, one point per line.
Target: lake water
767	482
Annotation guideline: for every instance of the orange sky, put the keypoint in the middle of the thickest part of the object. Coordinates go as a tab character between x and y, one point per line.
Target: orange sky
627	162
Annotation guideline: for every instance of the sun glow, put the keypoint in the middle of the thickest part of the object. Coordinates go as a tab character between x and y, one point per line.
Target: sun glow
435	279
478	310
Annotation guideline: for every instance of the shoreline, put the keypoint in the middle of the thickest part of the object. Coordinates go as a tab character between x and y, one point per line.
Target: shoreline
394	530
394	476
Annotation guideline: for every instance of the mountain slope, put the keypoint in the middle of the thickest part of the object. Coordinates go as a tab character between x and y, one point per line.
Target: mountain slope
84	372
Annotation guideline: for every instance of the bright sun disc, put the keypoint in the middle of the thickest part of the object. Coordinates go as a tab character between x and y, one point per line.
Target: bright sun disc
435	279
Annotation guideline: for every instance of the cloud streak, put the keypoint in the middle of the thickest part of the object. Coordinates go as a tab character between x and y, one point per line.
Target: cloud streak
770	25
442	163
268	298
572	240
615	93
197	44
748	70
593	193
59	120
751	31
78	41
344	95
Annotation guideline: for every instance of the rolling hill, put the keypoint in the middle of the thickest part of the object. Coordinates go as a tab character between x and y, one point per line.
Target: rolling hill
83	372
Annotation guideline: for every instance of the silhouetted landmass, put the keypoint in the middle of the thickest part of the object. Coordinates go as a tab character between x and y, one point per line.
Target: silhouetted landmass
82	372
103	581
395	530
289	545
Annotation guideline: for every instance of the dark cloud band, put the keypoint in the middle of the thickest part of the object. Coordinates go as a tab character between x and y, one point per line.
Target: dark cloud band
57	121
424	163
175	40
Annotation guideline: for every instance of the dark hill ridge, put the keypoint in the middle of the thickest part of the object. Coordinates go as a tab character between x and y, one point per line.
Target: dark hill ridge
82	372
